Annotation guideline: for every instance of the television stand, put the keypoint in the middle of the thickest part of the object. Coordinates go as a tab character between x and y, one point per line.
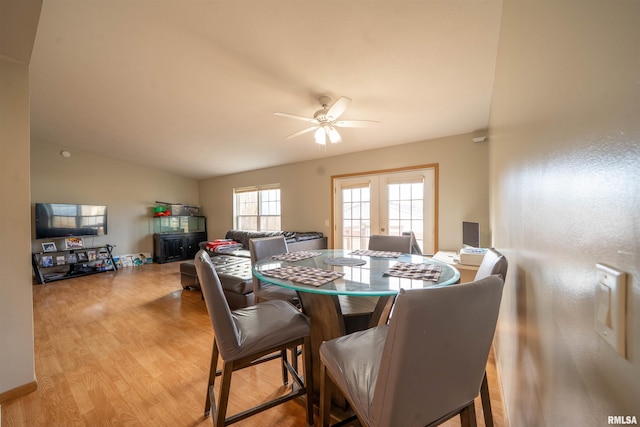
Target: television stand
70	263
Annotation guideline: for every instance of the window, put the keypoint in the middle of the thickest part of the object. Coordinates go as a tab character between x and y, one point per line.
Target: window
257	208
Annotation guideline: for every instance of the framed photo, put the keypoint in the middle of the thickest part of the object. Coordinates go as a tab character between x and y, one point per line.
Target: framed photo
91	255
61	260
47	261
82	256
73	243
49	247
72	259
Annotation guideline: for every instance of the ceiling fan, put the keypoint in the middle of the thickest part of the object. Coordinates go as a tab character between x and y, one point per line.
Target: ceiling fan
325	121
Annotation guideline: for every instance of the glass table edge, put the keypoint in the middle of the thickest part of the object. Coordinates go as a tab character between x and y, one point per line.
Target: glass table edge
317	290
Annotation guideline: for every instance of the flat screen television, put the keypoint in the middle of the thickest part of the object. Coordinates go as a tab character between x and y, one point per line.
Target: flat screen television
470	234
55	220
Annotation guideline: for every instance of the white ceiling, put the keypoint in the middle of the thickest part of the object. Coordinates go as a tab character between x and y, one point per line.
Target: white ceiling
190	87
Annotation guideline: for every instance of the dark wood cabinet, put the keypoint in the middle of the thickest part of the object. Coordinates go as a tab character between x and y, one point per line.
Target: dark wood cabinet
193	244
176	246
168	247
177	237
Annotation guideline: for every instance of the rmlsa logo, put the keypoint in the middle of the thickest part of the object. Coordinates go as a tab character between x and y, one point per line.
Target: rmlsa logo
622	419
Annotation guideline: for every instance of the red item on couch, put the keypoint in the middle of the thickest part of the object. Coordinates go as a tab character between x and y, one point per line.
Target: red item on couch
220	242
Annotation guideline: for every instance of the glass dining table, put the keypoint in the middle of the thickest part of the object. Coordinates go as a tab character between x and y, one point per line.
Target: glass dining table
327	281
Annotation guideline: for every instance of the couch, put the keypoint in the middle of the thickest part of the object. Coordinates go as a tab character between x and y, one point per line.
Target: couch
296	240
234	267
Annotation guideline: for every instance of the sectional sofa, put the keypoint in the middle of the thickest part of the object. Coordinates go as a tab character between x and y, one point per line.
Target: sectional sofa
234	267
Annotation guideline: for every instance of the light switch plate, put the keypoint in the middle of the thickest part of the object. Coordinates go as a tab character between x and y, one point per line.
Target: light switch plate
611	306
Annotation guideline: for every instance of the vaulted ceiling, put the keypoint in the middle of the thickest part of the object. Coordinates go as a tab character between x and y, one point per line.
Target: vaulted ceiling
191	86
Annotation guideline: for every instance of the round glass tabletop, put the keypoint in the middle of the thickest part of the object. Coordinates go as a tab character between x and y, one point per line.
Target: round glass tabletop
361	275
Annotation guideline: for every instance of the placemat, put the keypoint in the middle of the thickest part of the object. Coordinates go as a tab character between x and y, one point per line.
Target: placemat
305	275
295	256
423	271
379	254
344	261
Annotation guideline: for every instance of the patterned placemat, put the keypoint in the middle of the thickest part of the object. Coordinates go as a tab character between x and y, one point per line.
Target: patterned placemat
379	254
423	271
344	261
305	275
295	256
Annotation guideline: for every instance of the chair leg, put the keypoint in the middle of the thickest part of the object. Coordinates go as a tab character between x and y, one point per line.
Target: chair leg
223	396
294	358
285	371
486	402
325	397
212	379
468	416
308	377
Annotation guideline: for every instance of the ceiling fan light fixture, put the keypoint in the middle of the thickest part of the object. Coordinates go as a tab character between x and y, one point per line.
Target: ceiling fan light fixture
334	136
320	136
325	121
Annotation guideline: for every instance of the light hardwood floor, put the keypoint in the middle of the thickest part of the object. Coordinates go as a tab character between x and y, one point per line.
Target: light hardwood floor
132	348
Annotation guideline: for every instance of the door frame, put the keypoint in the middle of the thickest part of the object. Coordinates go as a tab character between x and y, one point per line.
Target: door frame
434	166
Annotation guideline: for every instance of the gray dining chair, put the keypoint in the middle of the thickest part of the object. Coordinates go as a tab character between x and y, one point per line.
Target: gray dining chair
259	249
356	319
415	247
379	242
250	336
358	310
492	263
422	368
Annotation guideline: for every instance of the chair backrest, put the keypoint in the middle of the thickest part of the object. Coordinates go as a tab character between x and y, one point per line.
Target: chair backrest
264	247
492	263
415	247
435	352
378	242
224	328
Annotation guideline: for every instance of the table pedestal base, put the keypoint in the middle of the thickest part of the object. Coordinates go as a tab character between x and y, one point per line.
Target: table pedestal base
328	322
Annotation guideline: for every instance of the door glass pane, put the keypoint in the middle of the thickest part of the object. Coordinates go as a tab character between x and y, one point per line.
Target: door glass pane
406	206
355	217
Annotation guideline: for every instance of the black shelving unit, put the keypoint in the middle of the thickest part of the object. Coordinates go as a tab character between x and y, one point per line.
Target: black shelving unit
67	264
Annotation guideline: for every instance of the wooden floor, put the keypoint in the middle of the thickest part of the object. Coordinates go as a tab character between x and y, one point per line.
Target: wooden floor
132	348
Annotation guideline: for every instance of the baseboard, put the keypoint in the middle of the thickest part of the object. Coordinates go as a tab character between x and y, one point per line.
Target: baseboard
18	392
505	413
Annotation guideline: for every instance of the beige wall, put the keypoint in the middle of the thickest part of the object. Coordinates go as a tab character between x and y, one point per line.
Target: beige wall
16	312
306	186
18	22
565	195
129	191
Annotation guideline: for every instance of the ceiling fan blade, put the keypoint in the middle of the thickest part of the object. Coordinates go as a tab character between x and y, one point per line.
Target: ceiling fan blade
302	132
294	116
356	123
338	108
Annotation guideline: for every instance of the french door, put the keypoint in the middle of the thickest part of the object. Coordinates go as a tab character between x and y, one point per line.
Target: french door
390	203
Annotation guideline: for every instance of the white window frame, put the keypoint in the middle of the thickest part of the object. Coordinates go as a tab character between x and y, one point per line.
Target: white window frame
261	217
